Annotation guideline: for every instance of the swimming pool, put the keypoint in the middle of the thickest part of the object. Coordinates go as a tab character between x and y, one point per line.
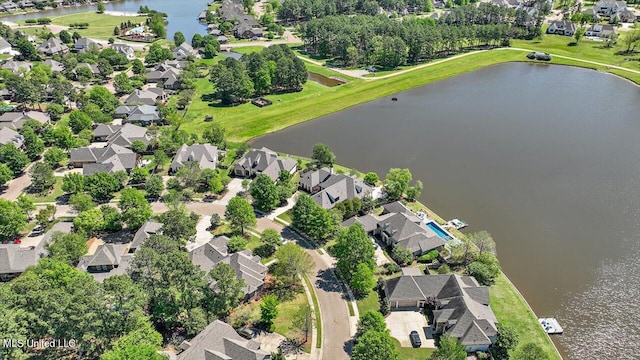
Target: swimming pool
439	231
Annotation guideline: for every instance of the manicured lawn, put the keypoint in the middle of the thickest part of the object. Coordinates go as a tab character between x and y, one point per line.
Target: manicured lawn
51	196
100	25
368	303
409	353
286	312
511	309
286	216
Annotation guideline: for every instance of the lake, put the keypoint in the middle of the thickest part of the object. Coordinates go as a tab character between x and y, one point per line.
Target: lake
183	15
545	158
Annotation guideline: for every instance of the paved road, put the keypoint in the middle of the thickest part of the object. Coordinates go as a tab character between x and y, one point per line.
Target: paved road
16	186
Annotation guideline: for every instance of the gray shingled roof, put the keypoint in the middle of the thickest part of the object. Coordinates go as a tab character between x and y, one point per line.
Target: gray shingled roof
206	155
147	229
8	135
266	161
219	341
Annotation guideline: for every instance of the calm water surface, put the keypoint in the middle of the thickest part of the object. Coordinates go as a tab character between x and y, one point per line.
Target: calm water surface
545	158
183	14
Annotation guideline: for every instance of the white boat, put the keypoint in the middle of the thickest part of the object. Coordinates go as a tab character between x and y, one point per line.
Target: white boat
457	223
550	326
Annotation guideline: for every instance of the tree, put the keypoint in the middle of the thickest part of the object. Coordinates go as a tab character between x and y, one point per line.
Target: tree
42	179
228	289
137	67
269	311
26	205
45	215
179	224
84	74
89	221
396	183
33	145
142	342
449	349
236	244
362	280
292	261
81	202
506	341
414	192
134	207
65	37
105	68
27	50
100	8
271	238
73	183
484	269
371	321
68	248
232	83
157	54
122	83
138	146
483	241
264	193
161	158
353	248
79	120
139	175
312	219
578	34
323	155
102	185
54	157
302	320
154	187
531	351
371	178
401	255
178	38
214	134
103	98
5	174
210	51
55	111
239	214
12	219
15	159
374	345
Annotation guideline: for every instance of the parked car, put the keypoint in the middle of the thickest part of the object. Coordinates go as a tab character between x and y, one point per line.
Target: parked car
245	333
415	339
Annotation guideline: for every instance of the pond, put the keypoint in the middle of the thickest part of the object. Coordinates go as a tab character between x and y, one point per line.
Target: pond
545	158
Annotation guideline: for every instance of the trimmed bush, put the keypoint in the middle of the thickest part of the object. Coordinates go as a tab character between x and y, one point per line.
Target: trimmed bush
428	257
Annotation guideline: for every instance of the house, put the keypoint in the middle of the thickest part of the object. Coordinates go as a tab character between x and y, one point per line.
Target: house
106	260
263	161
109	159
461	306
328	189
146	230
5	47
125	50
231	10
83	44
184	51
151	96
10	136
53	46
222	39
203	15
26	4
10	6
16	258
16	66
15	120
243	30
609	7
206	155
594	16
601	31
140	114
93	67
246	266
624	16
562	27
160	75
55	66
219	341
122	135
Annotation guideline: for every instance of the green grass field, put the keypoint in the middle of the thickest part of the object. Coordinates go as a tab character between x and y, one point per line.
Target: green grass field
100	25
286	311
511	309
409	353
368	303
51	196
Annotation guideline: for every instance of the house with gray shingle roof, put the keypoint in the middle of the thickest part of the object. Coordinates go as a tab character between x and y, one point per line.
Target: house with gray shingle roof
263	161
562	27
150	96
15	66
109	159
140	114
219	341
15	120
246	266
183	51
107	260
83	44
125	50
206	155
609	7
56	66
16	258
328	189
127	134
53	46
462	306
5	47
10	136
146	230
93	67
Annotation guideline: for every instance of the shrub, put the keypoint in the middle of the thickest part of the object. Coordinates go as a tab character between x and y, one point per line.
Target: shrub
30	21
428	257
42	21
401	255
391	268
444	269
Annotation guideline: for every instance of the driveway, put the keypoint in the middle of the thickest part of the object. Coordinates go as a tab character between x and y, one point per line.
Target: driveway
202	233
379	256
16	186
401	323
234	187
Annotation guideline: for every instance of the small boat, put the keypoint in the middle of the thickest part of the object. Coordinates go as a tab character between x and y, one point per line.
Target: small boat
550	326
457	223
394	99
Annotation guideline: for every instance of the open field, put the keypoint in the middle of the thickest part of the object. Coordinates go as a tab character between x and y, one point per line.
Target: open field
100	25
511	309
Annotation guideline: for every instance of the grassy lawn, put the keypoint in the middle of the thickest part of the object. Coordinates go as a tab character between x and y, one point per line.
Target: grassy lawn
409	353
286	311
100	25
511	309
368	303
286	216
51	196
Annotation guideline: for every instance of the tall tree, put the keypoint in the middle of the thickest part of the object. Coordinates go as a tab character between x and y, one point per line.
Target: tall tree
264	193
374	345
239	214
15	159
5	174
178	38
449	349
12	219
269	311
323	155
231	81
68	248
353	247
228	289
134	207
302	320
396	183
42	179
179	223
292	261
